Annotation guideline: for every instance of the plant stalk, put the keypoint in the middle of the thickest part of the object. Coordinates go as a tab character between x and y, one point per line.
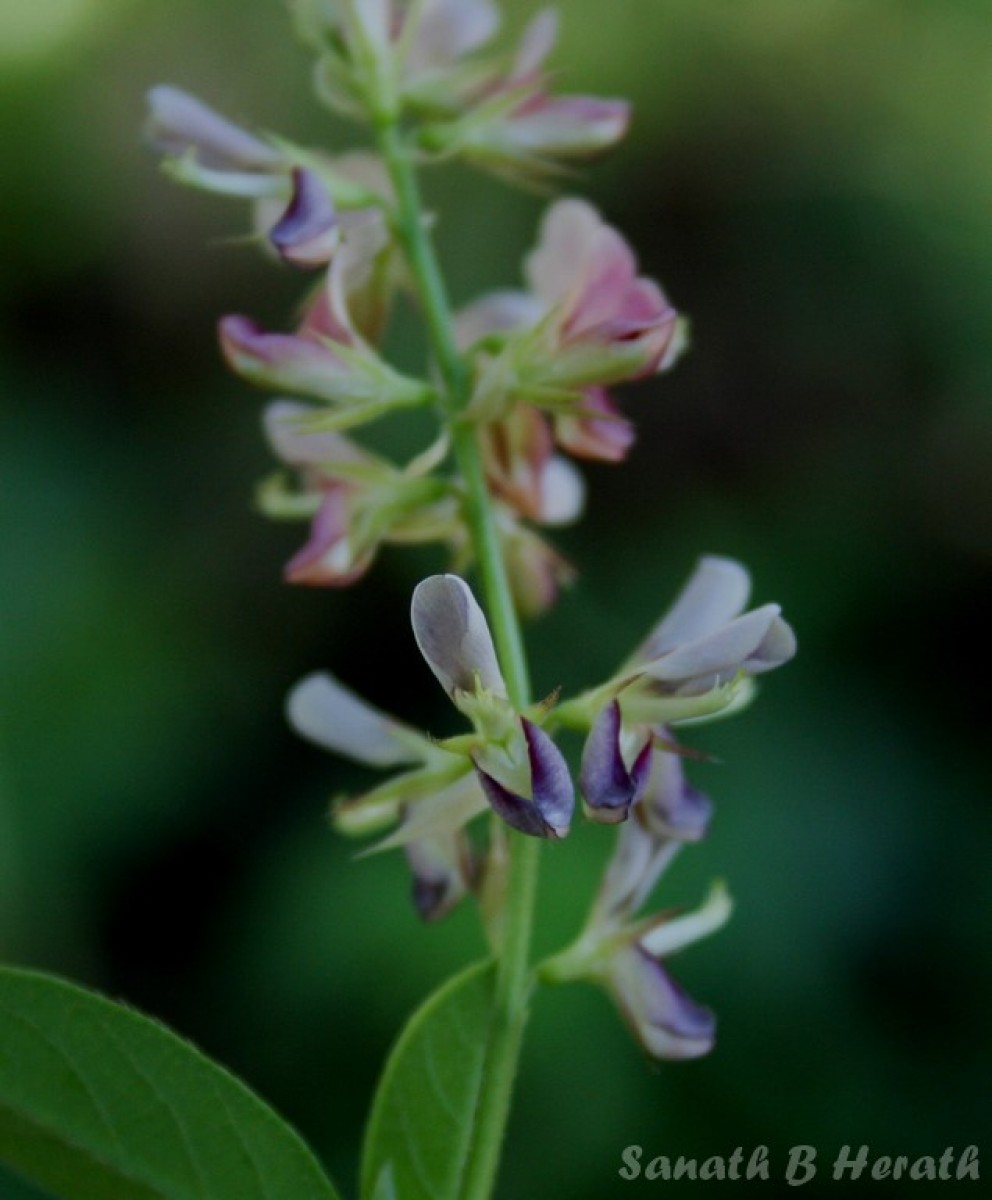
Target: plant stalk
513	978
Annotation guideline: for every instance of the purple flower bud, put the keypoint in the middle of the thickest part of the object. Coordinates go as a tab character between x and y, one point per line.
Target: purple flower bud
453	636
547	812
608	787
442	873
668	1023
308	232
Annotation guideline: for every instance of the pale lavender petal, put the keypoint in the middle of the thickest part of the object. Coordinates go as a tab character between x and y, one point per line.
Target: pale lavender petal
308	232
453	636
285	427
608	787
671	807
449	29
179	123
716	592
324	711
668	1022
442	871
756	642
670	934
633	869
446	808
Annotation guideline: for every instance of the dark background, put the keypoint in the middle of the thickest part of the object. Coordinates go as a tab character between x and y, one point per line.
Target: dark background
812	183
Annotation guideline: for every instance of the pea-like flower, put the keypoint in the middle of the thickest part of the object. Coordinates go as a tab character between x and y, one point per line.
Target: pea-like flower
302	198
521	771
357	501
586	321
627	955
518	129
327	358
508	764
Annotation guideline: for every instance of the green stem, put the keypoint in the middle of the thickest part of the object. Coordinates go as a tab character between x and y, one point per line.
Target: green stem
513	980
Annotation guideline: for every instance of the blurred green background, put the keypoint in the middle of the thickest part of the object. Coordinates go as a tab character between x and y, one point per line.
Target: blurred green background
813	183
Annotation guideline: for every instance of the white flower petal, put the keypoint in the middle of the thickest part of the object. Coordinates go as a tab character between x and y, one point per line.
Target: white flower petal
670	936
563	492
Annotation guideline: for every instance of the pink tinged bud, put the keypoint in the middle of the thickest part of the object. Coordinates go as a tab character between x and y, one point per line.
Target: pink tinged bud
563	127
308	232
496	312
328	559
180	124
442	873
608	786
453	636
596	430
668	1023
548	811
324	711
537	571
286	362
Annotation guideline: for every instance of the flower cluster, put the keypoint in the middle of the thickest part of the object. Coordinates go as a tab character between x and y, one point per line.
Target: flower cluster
540	360
700	660
524	378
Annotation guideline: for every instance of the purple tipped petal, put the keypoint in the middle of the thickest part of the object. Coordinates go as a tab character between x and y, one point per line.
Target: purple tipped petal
324	711
517	811
179	123
608	787
672	808
716	593
551	781
548	812
442	873
308	233
279	360
668	1022
453	636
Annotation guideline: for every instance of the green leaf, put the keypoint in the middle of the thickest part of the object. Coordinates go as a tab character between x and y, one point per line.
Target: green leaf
420	1130
100	1103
